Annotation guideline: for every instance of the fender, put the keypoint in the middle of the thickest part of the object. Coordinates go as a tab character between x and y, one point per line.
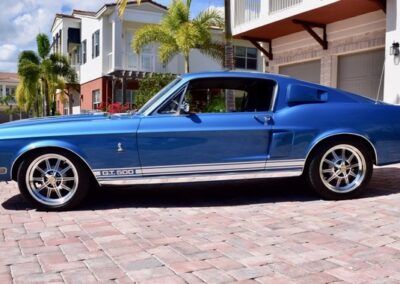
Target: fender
337	132
45	144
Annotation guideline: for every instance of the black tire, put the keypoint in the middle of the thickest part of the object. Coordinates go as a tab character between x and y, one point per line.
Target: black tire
81	188
315	174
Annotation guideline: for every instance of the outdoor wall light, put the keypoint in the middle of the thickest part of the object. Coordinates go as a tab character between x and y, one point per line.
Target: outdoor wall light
395	49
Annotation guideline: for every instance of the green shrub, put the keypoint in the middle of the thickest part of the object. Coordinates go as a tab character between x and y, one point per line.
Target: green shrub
151	85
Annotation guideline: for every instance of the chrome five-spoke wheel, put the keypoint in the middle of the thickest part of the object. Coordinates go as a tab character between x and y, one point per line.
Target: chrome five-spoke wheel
53	180
342	168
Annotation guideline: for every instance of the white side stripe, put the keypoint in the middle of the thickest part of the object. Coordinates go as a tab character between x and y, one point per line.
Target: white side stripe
199	168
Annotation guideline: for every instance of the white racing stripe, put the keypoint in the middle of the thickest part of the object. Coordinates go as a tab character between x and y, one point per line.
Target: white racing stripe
198	169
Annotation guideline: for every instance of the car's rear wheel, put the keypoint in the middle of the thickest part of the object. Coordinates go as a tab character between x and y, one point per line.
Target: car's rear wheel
53	180
340	169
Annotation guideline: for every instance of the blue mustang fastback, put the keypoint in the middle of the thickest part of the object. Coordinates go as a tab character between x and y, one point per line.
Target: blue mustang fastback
207	127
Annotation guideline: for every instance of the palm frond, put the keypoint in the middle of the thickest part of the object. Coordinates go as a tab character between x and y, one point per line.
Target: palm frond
209	18
178	14
214	50
122	6
43	45
29	55
149	34
28	70
167	51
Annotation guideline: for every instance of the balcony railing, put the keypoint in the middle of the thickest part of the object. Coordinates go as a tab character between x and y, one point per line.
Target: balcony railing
247	11
279	5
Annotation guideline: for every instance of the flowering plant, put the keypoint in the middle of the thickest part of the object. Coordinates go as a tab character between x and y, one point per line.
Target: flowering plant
113	107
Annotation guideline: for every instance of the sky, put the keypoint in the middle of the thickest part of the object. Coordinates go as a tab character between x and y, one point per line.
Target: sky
22	20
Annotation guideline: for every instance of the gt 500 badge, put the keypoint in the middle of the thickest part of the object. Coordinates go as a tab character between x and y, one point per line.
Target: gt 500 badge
118	172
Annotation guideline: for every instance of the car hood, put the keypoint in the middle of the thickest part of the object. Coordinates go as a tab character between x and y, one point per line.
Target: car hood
53	127
54	119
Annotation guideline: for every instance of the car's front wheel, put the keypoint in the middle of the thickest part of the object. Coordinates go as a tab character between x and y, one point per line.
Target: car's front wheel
340	169
53	180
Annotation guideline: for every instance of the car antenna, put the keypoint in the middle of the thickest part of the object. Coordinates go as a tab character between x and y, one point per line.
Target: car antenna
380	81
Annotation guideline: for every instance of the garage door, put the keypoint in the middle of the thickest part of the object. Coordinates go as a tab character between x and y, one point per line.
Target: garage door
360	73
308	71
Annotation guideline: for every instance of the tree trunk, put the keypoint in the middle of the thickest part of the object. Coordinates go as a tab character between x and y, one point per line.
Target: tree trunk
11	114
229	58
36	107
53	105
187	63
46	98
70	101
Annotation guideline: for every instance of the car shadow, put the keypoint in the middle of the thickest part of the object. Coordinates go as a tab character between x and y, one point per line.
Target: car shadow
227	193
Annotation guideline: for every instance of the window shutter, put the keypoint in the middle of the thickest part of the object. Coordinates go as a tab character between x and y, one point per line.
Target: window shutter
98	43
92	45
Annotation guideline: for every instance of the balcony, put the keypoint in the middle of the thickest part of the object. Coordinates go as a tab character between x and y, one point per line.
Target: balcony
133	62
271	19
250	10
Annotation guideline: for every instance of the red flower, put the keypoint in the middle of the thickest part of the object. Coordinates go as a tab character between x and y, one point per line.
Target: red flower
114	107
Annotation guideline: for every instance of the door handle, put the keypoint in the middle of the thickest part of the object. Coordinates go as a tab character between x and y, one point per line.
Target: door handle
265	119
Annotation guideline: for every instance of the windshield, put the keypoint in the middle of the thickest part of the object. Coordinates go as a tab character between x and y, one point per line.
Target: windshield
159	95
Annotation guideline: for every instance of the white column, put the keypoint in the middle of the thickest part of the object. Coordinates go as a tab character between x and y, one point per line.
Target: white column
117	40
3	91
392	63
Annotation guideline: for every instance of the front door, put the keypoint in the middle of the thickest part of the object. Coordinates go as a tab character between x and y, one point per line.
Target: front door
225	126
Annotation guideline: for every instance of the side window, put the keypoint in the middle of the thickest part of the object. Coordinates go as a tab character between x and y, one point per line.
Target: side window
223	95
172	105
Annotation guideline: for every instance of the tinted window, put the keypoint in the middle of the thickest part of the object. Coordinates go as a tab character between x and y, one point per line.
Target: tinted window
221	95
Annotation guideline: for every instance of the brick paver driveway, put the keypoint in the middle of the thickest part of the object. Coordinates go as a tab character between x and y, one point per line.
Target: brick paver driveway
267	232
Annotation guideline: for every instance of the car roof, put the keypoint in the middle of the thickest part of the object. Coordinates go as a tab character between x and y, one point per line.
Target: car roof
241	74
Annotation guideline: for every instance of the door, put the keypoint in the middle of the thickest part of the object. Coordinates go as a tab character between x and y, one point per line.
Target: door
360	73
224	125
309	71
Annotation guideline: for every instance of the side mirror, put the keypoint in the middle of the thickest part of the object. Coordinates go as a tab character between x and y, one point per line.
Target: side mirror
185	107
300	94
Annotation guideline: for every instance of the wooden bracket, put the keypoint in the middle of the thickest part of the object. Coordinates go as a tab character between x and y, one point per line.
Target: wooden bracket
256	42
382	4
308	26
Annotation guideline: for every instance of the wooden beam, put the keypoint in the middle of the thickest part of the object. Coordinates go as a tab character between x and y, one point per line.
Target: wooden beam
308	26
256	42
381	3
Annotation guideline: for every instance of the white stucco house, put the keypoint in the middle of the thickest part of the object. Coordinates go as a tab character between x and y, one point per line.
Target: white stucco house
98	44
8	84
350	44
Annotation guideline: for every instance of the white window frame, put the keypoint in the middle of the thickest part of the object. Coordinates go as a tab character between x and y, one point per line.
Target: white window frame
96	44
96	101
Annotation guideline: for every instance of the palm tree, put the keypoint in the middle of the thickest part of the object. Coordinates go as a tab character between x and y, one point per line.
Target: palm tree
178	33
41	71
27	89
229	58
122	5
62	78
